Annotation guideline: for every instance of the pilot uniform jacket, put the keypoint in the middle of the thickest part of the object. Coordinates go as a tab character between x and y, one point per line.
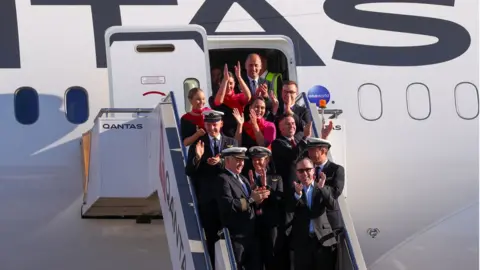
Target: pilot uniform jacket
321	200
271	215
203	174
237	213
270	221
335	182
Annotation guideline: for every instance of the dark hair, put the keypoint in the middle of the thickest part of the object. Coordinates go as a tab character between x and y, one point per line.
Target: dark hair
257	98
193	92
285	83
281	117
302	158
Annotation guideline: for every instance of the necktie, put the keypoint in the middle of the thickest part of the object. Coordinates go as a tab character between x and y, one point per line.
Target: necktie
318	170
243	184
215	147
292	143
254	86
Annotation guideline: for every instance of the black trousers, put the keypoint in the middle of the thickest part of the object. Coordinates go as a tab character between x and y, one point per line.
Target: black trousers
247	253
210	219
313	256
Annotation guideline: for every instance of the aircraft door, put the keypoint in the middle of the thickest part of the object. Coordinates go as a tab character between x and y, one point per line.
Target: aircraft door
145	63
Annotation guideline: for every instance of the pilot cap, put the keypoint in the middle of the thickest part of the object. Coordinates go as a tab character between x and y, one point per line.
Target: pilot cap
236	152
317	142
259	151
212	116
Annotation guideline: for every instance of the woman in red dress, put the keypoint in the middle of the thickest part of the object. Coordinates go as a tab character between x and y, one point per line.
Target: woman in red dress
191	123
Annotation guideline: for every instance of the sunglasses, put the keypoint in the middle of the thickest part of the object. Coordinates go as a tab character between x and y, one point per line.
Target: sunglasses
304	170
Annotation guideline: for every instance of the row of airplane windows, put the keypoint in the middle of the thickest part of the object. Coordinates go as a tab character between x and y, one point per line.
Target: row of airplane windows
418	101
419	105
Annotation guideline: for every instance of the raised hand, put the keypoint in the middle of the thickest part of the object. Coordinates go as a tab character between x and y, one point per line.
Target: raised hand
238	70
226	76
307	130
253	118
321	180
213	160
326	130
263	177
252	181
199	149
238	116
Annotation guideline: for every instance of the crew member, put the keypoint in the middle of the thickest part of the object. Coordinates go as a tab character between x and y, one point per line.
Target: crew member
270	214
335	180
191	123
203	166
312	237
334	173
237	202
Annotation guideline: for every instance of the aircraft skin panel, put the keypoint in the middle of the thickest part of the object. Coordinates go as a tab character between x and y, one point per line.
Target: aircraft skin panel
425	248
403	174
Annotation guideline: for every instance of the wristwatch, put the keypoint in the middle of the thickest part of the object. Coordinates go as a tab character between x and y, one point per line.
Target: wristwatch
251	200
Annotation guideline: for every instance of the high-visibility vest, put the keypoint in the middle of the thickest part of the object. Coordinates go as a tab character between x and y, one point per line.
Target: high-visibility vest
273	78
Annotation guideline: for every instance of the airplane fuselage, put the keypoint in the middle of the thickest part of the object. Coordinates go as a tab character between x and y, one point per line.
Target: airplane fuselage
405	75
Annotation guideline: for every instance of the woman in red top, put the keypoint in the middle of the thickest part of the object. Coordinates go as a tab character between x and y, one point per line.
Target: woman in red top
191	123
257	131
226	99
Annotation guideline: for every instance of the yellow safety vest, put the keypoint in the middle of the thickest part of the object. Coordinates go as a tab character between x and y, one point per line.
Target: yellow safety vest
273	78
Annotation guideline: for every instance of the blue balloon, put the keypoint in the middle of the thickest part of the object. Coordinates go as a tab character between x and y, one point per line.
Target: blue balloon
317	93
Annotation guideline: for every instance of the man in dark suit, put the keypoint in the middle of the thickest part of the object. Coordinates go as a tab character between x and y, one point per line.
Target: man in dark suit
312	237
333	174
270	214
237	202
258	86
288	146
287	106
285	151
203	166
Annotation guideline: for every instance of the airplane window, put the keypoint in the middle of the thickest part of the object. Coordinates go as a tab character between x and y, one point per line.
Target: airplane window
76	105
466	100
370	104
26	105
187	85
419	106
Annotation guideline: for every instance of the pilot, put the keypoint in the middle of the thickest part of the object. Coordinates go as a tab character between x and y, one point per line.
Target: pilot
334	177
312	237
203	165
237	203
270	213
332	173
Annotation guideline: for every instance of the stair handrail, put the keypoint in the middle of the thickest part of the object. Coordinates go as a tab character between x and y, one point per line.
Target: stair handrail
171	97
335	113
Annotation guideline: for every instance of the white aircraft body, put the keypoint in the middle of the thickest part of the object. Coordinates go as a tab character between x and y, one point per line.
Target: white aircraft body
405	76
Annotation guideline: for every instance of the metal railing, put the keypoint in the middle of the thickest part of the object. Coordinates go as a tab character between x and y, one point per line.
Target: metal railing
171	98
342	234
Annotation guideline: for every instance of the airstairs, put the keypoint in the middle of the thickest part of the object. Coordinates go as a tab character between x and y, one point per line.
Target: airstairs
134	161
